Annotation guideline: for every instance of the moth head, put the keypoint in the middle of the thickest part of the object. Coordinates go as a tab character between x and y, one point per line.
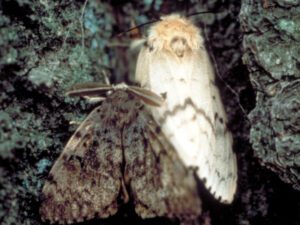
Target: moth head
175	34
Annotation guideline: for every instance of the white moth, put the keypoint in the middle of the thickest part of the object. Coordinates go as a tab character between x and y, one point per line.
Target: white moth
175	64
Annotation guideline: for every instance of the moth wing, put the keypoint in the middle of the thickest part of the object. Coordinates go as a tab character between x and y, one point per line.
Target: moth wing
160	185
142	66
148	97
221	178
85	180
225	183
188	116
89	89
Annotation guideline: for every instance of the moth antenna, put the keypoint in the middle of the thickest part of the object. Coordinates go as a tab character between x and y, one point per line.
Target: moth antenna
159	19
135	33
202	12
136	27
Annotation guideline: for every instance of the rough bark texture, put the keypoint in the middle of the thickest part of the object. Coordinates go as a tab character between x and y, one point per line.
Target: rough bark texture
47	46
272	53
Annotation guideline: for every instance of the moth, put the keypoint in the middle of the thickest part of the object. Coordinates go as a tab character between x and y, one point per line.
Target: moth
175	64
116	156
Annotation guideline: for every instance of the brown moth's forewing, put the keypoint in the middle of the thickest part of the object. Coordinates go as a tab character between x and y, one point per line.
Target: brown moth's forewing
85	181
159	183
116	153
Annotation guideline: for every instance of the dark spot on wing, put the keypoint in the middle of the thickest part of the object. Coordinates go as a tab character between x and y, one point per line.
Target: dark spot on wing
146	143
130	96
216	115
64	156
70	164
157	130
85	144
141	106
50	178
98	133
194	117
95	164
221	120
137	104
164	95
149	47
124	110
95	143
87	136
93	183
74	158
78	134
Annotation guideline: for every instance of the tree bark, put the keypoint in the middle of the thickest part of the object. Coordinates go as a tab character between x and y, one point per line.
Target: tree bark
48	46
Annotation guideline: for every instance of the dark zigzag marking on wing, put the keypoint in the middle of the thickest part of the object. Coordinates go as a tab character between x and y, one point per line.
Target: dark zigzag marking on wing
179	108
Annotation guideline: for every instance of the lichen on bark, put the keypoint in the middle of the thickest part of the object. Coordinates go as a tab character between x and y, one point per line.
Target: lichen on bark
42	53
272	50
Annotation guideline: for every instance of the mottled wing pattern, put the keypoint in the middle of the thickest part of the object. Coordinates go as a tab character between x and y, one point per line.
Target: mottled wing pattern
116	153
85	181
159	184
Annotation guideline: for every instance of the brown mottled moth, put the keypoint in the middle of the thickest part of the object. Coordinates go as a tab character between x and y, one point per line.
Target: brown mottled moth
175	64
118	154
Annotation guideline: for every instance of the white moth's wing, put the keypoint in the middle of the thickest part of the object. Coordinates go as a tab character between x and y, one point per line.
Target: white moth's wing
188	115
228	182
142	65
226	171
